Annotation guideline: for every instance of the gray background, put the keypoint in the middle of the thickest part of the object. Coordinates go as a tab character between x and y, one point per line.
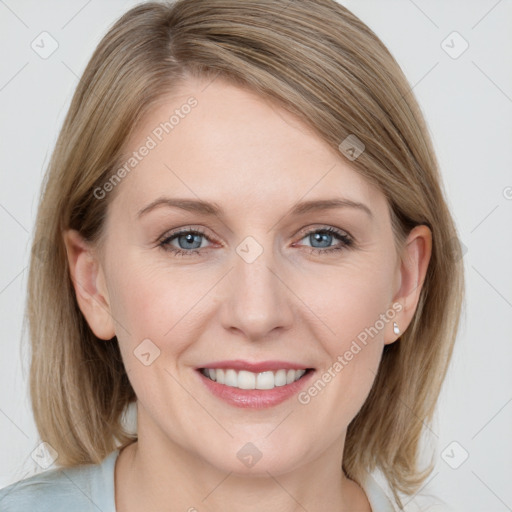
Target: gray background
467	101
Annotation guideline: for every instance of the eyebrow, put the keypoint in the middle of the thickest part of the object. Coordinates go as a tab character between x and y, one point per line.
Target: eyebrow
213	209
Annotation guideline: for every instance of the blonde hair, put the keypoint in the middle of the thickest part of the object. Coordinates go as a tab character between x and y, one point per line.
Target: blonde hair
321	63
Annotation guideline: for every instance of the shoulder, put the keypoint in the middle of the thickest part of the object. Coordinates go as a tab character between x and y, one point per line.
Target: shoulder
377	496
80	489
380	498
48	491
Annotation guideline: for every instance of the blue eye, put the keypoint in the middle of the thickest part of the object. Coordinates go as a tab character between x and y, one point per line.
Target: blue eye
325	235
189	241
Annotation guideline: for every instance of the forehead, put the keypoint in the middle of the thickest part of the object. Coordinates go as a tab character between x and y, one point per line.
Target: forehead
225	143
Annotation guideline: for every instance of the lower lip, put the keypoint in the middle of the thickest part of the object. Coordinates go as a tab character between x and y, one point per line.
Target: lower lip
255	398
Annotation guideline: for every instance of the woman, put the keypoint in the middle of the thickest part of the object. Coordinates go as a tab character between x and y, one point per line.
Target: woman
247	238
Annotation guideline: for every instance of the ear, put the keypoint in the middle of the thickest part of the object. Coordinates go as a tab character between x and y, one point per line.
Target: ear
413	265
89	283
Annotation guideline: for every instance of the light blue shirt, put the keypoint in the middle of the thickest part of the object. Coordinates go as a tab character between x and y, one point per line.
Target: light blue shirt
90	488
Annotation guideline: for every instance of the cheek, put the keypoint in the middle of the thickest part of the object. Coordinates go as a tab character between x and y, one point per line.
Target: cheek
157	313
349	301
155	300
355	312
155	304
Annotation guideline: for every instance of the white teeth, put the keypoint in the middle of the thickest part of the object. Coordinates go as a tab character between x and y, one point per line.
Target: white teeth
280	378
265	380
230	378
249	380
245	380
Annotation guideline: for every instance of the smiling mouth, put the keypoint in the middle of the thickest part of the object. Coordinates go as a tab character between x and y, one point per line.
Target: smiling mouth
244	379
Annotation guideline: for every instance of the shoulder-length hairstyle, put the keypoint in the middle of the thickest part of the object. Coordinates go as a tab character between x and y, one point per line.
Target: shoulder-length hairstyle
320	62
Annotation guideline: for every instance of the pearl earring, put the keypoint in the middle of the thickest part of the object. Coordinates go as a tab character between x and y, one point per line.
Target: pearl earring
396	330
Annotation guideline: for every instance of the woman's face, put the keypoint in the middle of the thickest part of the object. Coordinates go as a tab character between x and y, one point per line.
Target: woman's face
273	278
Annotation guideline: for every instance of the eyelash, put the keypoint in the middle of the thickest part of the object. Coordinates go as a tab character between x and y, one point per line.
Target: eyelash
346	240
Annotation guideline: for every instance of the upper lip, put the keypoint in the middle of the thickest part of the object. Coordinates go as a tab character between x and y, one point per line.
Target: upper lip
255	367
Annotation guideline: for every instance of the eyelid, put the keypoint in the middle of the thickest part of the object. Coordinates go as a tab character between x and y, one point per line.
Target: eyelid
321	227
181	230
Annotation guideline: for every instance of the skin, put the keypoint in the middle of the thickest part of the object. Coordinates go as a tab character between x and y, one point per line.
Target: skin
256	161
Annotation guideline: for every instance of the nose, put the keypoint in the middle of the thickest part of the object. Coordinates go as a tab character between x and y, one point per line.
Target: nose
257	301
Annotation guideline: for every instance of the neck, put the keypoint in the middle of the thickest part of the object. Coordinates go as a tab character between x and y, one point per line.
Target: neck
148	477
